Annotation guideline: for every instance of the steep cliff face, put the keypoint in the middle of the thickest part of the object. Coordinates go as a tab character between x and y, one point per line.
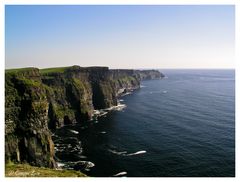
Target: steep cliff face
27	137
124	81
149	74
69	95
39	100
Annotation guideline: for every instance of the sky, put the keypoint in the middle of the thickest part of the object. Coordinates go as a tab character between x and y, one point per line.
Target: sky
130	36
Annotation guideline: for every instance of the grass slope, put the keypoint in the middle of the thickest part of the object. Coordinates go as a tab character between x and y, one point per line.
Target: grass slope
25	170
53	70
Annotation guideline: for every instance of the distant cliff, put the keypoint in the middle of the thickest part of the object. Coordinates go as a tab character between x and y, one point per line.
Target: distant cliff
37	101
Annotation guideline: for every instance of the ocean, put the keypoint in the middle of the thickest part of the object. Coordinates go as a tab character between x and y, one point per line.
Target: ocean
182	125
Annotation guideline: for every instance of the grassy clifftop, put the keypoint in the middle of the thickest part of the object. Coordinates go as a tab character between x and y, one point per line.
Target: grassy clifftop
25	170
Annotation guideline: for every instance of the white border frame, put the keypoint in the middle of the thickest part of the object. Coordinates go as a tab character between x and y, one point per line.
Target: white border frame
120	2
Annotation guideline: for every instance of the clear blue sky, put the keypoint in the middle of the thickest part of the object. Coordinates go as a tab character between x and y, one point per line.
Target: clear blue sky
120	36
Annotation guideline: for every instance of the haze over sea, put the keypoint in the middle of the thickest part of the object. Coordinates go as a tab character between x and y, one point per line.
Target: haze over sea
183	125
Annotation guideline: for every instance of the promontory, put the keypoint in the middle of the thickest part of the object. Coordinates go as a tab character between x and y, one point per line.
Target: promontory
38	101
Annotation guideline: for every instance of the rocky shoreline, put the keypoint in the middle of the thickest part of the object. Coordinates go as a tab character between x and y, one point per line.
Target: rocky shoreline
38	101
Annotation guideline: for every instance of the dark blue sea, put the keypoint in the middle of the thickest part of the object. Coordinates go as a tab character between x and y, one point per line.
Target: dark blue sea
182	125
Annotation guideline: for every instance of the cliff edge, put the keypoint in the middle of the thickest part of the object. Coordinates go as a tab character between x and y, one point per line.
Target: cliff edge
40	100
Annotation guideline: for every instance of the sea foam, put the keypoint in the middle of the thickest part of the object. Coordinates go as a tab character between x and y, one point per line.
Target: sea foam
73	131
120	174
136	153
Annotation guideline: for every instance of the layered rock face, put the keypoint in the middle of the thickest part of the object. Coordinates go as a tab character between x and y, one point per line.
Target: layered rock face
27	137
149	74
39	100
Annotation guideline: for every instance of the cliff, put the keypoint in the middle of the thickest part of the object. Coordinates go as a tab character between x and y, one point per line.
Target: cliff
27	137
37	101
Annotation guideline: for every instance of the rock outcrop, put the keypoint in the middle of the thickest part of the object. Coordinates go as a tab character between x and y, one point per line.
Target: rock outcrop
37	101
27	137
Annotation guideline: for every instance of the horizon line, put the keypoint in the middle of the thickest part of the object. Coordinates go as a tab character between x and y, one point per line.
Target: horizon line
165	68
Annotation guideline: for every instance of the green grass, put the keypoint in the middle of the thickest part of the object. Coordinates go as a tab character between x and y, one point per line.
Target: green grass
30	82
62	111
42	71
53	70
25	170
78	84
19	70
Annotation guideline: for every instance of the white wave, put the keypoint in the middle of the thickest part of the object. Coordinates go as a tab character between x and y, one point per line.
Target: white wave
103	132
127	93
136	153
121	100
60	165
118	107
73	131
121	90
69	146
120	174
59	149
103	113
77	148
116	152
124	153
99	112
142	86
88	164
164	92
96	112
